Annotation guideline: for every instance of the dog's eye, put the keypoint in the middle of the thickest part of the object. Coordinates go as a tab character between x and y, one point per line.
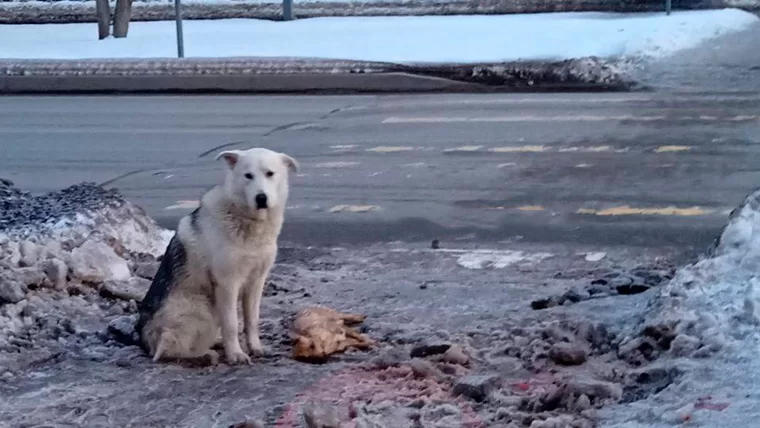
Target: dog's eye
248	175
270	173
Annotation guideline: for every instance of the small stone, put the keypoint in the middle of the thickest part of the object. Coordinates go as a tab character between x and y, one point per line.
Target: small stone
418	403
503	413
423	368
320	415
146	270
542	304
391	358
620	281
595	389
567	354
57	273
582	403
11	290
511	400
476	387
436	244
456	355
132	289
122	329
30	253
428	349
574	296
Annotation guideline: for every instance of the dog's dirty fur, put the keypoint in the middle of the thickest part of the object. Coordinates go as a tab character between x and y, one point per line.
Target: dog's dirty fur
222	252
319	332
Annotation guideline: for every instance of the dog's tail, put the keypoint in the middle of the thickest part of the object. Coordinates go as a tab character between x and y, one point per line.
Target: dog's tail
160	348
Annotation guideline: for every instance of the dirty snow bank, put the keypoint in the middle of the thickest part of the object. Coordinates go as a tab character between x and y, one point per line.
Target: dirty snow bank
60	254
706	322
421	39
447	354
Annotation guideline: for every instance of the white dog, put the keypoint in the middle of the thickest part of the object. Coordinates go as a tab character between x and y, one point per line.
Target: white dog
222	252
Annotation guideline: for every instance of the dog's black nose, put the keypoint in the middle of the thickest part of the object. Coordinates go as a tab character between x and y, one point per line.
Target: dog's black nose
261	201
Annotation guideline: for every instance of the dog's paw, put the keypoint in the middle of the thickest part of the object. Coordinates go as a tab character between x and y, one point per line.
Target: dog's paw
237	357
260	351
255	348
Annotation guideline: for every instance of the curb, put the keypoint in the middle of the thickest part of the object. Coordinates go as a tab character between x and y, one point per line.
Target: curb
288	75
261	84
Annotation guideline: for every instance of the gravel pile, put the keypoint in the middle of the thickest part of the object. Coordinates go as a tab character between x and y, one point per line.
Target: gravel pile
19	209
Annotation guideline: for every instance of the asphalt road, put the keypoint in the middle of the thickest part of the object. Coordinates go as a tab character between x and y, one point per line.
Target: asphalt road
630	169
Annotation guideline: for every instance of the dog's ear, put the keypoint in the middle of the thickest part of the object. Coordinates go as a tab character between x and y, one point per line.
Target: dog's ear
230	157
291	163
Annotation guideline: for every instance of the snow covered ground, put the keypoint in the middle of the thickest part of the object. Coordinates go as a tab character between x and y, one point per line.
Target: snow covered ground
709	314
553	36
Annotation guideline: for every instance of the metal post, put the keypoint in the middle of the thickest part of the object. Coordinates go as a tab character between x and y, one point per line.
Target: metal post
668	6
287	10
180	38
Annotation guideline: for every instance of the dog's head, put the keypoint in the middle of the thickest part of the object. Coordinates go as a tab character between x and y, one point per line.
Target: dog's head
257	179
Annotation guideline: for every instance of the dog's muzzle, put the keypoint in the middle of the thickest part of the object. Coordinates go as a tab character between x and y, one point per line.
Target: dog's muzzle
261	201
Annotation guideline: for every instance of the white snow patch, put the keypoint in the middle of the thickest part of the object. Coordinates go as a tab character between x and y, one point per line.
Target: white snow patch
97	262
594	257
498	259
408	39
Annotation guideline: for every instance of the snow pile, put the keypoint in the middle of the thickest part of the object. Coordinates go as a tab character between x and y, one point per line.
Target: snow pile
411	40
706	323
581	71
62	255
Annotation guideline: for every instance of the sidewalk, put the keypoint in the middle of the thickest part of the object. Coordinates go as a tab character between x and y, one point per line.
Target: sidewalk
55	11
730	63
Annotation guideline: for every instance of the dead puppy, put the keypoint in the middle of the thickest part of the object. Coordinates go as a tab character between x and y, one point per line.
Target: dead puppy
222	252
320	332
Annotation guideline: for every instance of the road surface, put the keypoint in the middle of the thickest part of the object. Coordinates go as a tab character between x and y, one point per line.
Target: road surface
631	169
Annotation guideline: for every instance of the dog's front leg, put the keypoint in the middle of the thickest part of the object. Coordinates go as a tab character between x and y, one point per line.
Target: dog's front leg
226	296
251	313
